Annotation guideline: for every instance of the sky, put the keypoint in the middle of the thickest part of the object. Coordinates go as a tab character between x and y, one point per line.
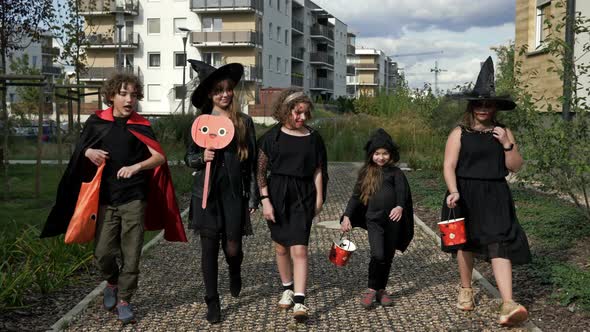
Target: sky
460	33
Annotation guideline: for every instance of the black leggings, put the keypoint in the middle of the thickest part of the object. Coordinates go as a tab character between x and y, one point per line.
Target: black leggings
383	235
209	257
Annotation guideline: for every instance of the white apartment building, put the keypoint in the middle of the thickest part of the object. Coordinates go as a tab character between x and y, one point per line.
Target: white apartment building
370	71
280	43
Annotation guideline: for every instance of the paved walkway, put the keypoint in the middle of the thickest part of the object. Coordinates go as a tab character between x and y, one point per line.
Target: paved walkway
423	281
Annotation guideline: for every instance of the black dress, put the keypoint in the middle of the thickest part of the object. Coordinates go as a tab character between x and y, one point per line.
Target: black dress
486	202
292	162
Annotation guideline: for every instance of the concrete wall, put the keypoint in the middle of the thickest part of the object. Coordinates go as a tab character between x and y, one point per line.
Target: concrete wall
275	47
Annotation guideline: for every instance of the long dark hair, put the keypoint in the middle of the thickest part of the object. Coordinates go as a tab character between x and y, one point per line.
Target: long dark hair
370	178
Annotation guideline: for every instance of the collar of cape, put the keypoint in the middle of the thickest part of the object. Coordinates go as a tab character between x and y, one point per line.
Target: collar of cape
134	118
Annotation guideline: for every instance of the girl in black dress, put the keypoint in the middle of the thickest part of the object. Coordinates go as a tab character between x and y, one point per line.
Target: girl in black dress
381	203
232	186
294	191
478	156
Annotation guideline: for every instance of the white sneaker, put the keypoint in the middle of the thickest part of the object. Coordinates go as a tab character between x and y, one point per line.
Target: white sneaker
300	312
286	299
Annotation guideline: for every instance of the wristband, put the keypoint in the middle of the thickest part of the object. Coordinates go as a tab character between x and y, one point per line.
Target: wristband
263	197
509	148
453	192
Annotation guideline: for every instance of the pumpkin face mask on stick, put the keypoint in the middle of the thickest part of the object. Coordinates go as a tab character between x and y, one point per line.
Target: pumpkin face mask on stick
211	132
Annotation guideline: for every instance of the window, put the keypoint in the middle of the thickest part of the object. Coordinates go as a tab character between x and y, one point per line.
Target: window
279	34
179	22
179	59
212	58
270	62
543	13
278	64
212	24
34	61
270	30
270	3
154	92
154	60
286	66
279	5
153	26
178	91
286	37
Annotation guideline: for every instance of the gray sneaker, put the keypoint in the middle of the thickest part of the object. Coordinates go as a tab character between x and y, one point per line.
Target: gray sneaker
125	312
109	300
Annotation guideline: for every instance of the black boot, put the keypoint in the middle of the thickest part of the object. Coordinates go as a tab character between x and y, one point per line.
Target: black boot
235	277
213	309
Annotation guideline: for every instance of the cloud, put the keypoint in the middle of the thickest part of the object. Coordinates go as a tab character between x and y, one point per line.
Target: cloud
375	18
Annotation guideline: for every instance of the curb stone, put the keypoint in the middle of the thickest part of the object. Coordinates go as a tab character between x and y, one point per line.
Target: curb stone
65	320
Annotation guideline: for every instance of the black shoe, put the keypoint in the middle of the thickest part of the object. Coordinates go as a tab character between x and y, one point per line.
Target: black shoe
235	284
213	309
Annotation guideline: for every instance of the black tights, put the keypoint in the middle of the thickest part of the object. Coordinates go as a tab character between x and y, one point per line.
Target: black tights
232	250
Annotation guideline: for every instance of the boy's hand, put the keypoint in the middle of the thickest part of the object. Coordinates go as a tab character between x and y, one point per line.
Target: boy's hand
128	171
345	226
396	213
96	156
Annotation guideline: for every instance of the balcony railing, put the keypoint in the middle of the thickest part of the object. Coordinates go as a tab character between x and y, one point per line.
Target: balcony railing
51	70
323	84
297	79
297	25
252	73
318	30
130	40
322	57
374	66
297	52
53	51
202	6
104	7
102	73
226	38
350	49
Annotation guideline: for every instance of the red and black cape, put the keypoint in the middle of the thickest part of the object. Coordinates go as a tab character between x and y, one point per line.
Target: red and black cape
161	211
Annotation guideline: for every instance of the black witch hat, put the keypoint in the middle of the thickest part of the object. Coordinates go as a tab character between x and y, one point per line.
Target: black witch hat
485	89
381	139
209	75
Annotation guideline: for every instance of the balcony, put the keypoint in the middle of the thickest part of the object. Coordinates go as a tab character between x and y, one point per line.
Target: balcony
367	66
297	25
47	50
322	84
350	70
130	41
108	7
322	31
252	74
297	79
233	6
321	58
50	70
102	73
297	53
226	38
350	49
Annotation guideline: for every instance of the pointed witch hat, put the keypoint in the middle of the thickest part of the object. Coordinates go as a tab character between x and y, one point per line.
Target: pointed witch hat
209	75
485	89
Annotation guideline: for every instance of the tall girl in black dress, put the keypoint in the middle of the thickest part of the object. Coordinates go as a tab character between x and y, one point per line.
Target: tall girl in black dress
478	156
294	191
232	186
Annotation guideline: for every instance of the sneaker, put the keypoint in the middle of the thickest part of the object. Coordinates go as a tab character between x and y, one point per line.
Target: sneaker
109	299
512	314
368	298
286	299
125	312
465	299
385	299
300	312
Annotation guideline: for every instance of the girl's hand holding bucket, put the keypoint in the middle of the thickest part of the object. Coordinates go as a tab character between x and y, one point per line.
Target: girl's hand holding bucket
345	225
452	199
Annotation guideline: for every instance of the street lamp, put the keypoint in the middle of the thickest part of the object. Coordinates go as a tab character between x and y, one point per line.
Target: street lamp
184	39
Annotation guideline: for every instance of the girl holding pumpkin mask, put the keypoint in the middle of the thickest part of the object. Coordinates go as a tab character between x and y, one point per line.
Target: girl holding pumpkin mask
233	195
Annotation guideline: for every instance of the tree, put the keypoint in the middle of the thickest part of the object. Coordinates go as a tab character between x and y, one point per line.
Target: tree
29	95
21	22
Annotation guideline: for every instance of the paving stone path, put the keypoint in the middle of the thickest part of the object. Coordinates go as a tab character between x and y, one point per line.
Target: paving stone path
423	282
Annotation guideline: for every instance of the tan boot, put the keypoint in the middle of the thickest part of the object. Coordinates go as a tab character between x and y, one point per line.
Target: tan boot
465	299
512	314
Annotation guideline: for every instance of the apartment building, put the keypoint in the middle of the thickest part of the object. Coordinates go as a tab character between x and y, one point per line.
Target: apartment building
535	21
279	42
369	71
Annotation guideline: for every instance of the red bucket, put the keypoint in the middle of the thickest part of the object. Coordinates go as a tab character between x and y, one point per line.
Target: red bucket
341	251
453	231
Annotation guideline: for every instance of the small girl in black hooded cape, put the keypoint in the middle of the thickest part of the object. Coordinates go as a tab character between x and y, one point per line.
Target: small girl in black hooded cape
381	203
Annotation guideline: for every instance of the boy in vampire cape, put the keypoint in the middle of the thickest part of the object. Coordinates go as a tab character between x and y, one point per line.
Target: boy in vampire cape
136	191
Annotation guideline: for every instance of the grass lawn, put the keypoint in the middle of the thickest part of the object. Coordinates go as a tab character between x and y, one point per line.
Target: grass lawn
554	228
29	263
